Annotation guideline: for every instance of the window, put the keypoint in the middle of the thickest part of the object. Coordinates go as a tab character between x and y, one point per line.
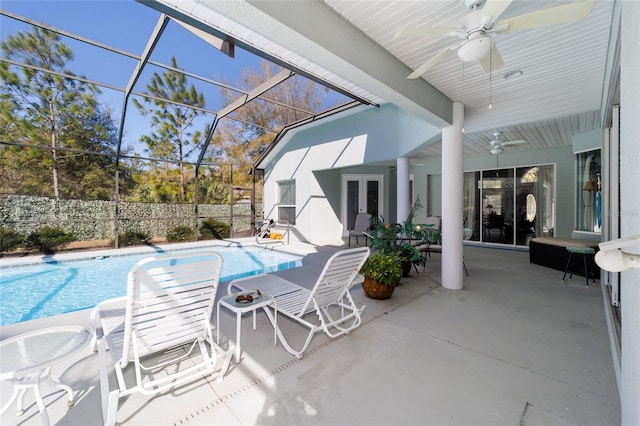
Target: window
287	201
588	208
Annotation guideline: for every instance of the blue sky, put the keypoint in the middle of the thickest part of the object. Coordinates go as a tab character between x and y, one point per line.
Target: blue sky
127	25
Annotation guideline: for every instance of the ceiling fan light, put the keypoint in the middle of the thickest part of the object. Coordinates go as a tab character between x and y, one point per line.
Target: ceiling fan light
497	150
472	4
475	49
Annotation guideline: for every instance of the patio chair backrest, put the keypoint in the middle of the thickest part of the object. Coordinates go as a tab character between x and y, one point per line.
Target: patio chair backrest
337	276
436	221
362	222
169	301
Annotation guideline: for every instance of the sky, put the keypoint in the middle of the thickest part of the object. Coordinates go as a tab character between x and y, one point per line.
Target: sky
127	25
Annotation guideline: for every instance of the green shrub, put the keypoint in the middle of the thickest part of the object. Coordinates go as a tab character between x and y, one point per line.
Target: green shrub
180	234
133	238
212	229
10	239
48	239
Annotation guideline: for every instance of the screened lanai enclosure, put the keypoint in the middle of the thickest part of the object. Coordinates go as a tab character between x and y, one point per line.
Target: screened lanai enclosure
117	118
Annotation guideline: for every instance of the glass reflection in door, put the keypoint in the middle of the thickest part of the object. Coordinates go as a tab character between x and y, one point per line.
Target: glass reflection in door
497	202
472	205
361	193
534	203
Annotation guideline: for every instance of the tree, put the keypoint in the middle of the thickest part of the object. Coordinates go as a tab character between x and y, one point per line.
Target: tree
248	136
41	108
212	187
171	120
89	176
256	124
157	186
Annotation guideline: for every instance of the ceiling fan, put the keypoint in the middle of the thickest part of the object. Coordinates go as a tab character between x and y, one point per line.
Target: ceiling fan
478	28
497	144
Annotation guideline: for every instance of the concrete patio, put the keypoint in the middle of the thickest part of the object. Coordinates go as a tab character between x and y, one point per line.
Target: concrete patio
515	347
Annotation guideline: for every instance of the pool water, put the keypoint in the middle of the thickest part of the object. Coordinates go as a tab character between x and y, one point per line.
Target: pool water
57	287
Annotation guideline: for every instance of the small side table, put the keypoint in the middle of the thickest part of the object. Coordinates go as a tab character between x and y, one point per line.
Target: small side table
260	301
584	252
26	360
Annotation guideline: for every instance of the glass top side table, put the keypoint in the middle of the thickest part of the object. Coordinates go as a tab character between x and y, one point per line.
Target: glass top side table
26	360
260	300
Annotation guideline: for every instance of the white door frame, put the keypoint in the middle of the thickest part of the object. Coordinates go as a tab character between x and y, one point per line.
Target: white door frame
362	202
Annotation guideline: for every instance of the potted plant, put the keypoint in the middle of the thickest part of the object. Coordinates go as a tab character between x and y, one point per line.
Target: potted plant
381	274
410	255
396	238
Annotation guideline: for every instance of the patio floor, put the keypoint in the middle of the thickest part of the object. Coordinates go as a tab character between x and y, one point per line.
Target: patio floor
515	347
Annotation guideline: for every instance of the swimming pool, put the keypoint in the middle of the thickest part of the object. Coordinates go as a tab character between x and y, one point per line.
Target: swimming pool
59	286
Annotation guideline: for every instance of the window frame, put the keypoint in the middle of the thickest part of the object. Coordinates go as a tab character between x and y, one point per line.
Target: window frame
286	201
586	191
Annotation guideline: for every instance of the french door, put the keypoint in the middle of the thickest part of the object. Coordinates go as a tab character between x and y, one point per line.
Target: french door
360	193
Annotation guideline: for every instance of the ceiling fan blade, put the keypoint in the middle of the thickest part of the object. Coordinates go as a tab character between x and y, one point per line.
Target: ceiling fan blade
493	60
408	32
430	63
551	16
494	8
516	142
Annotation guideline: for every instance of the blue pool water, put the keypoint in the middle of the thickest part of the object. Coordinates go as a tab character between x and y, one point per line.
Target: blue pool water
54	288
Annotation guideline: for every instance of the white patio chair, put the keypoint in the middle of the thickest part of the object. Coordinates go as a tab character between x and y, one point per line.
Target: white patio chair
330	298
434	222
361	225
163	321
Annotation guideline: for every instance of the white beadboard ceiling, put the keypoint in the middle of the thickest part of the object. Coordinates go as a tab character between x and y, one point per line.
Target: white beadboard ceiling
559	93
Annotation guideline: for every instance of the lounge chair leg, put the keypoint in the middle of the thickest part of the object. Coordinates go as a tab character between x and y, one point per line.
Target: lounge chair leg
109	415
226	362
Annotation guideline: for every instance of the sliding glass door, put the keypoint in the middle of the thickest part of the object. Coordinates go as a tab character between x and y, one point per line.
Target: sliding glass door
510	205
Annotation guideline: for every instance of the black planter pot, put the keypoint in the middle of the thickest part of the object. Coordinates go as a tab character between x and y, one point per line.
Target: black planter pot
406	268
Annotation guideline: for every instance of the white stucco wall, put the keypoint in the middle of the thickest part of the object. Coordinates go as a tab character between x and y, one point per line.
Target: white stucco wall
630	209
370	136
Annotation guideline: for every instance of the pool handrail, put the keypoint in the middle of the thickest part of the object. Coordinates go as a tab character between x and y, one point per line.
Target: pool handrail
281	241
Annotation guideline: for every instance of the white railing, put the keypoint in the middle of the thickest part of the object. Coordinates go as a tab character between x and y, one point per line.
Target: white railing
286	233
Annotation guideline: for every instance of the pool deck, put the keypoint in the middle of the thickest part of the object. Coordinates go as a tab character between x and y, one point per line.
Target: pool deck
514	347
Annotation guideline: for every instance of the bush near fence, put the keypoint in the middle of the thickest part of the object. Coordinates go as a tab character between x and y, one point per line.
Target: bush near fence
94	220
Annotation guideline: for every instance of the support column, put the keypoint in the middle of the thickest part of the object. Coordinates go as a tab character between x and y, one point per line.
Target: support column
452	182
630	210
402	188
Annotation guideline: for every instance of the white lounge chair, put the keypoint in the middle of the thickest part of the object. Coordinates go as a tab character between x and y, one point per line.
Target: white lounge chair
166	313
330	298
